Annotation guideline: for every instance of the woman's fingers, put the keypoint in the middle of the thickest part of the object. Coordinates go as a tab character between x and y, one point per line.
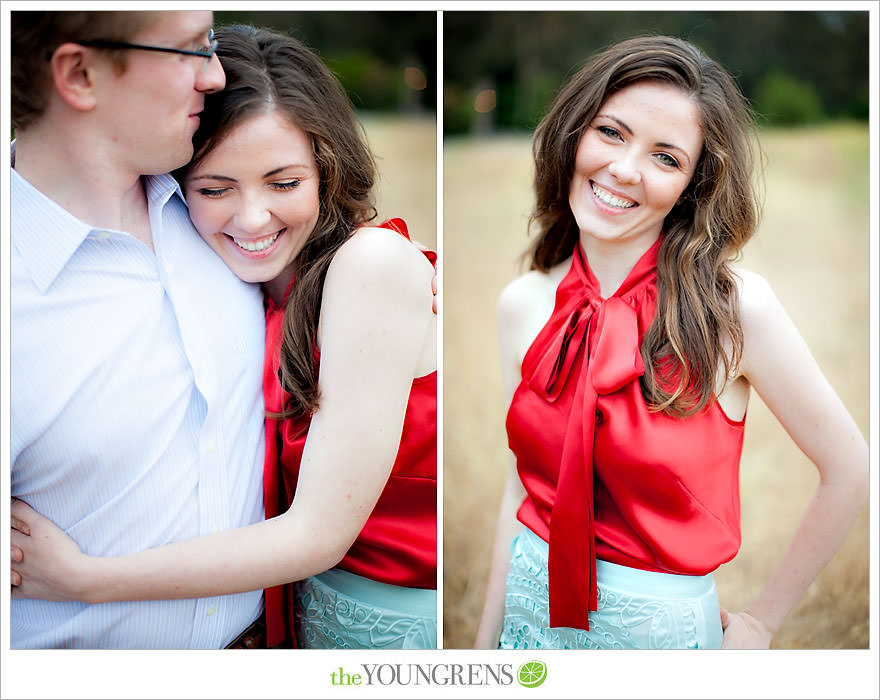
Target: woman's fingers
16	555
20	525
18	513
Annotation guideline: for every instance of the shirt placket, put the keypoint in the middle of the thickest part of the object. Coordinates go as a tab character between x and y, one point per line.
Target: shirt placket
210	612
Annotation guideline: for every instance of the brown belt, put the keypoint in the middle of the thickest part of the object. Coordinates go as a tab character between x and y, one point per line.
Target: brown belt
254	636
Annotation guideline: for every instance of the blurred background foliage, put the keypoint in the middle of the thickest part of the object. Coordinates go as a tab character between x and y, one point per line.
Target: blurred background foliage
502	69
387	61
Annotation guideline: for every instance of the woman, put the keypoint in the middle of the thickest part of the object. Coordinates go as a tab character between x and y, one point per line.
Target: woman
628	354
280	187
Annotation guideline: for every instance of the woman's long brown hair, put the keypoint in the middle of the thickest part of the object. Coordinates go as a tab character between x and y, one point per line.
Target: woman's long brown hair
266	71
697	324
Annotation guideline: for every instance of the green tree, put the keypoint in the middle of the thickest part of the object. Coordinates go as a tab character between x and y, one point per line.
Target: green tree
784	100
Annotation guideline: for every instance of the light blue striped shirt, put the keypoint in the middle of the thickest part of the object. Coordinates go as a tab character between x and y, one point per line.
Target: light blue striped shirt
136	408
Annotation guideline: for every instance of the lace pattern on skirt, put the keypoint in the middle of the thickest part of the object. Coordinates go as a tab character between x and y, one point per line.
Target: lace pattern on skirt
624	619
328	618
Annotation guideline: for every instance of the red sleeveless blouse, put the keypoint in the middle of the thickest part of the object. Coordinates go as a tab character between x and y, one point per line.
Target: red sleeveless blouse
606	477
398	544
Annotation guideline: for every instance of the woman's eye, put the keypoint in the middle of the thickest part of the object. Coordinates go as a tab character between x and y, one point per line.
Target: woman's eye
286	185
610	131
667	159
212	191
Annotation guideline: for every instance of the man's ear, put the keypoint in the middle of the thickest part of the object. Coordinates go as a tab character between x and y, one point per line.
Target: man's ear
73	74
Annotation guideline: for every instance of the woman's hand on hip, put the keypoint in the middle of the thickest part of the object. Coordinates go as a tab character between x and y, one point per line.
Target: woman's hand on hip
743	631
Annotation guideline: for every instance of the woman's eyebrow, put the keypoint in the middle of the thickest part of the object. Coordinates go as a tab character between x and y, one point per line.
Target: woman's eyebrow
208	176
227	178
292	166
620	123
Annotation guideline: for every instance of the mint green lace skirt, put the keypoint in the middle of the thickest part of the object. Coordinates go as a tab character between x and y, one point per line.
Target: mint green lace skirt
636	609
340	610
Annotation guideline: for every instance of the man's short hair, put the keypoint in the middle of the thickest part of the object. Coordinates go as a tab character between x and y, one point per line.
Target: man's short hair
36	35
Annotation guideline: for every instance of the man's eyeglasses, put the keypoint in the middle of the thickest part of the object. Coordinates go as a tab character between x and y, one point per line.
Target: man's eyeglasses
206	52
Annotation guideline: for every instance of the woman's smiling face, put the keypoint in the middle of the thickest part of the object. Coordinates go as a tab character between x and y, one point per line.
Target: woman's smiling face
254	197
634	161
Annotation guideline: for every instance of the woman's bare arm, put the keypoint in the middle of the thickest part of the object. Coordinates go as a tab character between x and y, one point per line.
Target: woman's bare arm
778	364
374	323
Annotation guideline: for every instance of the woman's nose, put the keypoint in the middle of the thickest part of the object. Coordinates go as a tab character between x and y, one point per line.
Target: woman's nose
253	215
625	170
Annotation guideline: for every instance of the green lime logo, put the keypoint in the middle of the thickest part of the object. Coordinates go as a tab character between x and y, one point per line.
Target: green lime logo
531	674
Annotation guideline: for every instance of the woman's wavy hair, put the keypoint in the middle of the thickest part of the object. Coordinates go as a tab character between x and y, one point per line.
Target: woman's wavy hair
697	307
268	71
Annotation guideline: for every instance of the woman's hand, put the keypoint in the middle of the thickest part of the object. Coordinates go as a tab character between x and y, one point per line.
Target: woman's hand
45	561
743	631
423	248
16	553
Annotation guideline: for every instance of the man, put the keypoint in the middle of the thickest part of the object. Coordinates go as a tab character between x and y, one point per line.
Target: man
136	404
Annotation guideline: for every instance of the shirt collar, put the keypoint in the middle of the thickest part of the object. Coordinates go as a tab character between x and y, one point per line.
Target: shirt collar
46	235
43	233
160	188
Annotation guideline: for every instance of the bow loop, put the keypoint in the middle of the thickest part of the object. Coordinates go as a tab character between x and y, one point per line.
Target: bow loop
615	360
555	367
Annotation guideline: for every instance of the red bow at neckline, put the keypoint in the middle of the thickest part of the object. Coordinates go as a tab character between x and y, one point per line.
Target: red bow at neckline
604	333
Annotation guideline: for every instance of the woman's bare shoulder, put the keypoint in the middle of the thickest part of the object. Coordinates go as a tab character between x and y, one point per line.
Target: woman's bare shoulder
526	304
533	287
766	326
756	297
380	254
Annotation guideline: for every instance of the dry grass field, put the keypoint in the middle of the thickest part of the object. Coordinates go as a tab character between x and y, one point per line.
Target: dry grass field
813	247
406	158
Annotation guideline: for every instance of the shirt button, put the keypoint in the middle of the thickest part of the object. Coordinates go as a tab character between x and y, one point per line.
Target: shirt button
212	446
211	611
103	235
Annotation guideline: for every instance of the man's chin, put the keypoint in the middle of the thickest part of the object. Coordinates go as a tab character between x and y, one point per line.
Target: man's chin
181	157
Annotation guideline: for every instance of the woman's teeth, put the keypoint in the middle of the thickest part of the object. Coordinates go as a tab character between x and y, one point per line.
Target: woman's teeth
257	246
607	198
